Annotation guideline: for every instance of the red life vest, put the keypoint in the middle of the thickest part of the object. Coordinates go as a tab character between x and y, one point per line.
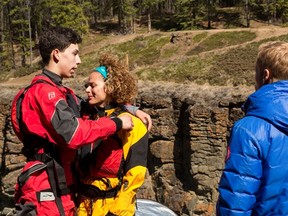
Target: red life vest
41	188
103	159
100	160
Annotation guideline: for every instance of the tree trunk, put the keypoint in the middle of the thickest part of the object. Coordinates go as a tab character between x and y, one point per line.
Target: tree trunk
121	17
208	14
247	12
1	35
23	57
29	26
13	53
194	11
274	12
23	48
9	39
94	12
133	25
149	21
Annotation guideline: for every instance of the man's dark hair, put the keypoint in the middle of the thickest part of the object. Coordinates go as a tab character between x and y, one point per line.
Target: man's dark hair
56	38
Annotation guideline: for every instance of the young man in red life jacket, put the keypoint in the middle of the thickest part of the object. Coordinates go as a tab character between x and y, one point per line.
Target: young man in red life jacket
46	118
111	171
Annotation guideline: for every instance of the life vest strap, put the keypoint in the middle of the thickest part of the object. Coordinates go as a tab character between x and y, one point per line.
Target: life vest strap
24	176
91	191
56	179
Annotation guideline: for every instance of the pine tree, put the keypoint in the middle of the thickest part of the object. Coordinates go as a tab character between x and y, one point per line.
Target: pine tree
66	13
148	5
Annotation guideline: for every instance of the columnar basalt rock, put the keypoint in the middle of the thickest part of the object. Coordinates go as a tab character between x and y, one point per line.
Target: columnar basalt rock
187	144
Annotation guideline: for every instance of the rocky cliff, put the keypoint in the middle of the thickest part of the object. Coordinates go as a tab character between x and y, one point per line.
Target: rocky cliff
187	144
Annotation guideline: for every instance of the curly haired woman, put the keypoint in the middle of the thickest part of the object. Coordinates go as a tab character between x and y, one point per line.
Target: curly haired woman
112	170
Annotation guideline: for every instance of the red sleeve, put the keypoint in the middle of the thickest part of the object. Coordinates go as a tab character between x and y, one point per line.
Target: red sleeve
47	114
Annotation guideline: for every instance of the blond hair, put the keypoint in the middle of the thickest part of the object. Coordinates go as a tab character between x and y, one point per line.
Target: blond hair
274	57
120	84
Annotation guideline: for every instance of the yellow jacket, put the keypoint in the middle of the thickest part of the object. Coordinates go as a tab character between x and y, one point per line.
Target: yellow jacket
135	148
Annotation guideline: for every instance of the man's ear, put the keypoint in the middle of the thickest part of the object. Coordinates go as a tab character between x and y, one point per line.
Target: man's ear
55	55
267	76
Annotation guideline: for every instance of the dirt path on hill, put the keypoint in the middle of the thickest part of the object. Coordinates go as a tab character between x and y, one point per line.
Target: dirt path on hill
261	33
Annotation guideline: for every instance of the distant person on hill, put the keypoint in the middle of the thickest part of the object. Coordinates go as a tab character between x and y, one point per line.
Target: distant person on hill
173	38
255	177
111	171
46	118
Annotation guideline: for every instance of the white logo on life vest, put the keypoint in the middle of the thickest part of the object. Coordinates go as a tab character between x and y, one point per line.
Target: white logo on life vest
46	196
51	95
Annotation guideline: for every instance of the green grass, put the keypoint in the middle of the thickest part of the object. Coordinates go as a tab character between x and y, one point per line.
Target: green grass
193	69
169	52
283	38
209	68
221	40
197	38
237	65
234	67
143	50
93	38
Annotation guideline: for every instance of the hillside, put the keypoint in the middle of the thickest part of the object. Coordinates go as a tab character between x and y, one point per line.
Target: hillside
201	56
193	90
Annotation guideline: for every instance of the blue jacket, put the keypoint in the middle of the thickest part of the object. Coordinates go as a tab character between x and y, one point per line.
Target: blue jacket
255	177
